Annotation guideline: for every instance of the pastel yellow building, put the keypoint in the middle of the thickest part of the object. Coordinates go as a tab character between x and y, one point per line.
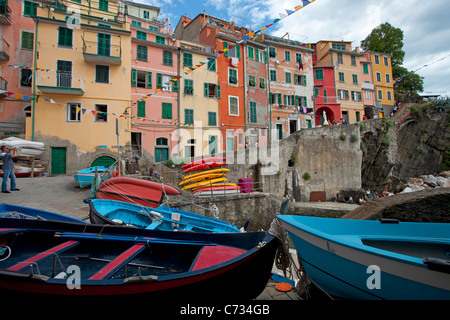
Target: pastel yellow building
199	131
347	75
80	89
383	82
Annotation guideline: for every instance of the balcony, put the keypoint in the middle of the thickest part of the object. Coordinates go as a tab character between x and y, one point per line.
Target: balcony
60	83
4	50
102	51
3	87
5	13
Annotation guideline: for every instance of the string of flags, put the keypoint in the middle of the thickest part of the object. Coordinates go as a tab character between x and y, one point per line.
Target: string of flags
422	67
249	36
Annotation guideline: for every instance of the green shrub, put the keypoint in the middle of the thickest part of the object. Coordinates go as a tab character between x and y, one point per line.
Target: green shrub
343	136
306	176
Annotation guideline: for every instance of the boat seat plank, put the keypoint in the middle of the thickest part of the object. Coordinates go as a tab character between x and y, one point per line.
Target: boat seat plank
119	261
210	256
44	255
153	225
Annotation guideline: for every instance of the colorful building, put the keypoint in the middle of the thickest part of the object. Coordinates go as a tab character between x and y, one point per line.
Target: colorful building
326	105
383	82
81	58
154	63
291	84
367	87
16	56
347	74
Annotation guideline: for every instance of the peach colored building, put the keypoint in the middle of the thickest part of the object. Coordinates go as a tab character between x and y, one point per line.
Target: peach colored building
16	56
367	87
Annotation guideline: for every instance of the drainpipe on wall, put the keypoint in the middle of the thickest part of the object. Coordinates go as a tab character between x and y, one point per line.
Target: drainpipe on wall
244	47
178	101
268	100
34	78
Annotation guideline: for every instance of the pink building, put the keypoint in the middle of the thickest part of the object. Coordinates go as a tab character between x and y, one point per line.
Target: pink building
16	56
154	63
367	86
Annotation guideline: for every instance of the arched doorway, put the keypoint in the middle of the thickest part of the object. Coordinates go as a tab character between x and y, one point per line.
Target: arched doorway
103	161
320	115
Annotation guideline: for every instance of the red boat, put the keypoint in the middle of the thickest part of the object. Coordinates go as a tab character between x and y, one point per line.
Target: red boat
205	166
204	160
134	190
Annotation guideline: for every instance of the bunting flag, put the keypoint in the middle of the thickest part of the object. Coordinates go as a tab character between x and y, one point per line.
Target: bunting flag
424	66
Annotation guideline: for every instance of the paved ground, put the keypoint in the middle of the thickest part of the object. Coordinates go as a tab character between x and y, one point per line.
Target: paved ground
60	194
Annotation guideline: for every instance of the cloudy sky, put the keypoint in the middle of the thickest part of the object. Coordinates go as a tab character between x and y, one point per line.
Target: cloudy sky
425	24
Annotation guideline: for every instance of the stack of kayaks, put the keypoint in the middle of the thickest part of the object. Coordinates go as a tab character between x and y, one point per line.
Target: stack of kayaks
208	180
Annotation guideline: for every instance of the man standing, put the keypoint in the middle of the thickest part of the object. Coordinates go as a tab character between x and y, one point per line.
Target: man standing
8	169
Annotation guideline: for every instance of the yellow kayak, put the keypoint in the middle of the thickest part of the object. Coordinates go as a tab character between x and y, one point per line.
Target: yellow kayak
204	183
206	173
201	178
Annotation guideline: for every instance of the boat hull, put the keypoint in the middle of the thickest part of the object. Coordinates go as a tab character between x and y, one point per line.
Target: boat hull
362	271
9	210
250	264
84	178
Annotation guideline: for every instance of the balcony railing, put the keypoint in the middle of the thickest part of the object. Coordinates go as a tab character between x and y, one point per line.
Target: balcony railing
5	14
3	87
60	82
102	52
4	49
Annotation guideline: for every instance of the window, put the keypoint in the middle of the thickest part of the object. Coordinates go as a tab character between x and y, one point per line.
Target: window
188	86
251	53
74	112
141	109
232	76
273	75
104	44
378	77
102	113
188	116
380	95
146	14
338	46
262	83
377	59
251	81
141	79
389	95
233	52
316	91
212	119
340	59
325	96
64	74
368	95
153	28
388	78
261	56
135	23
343	94
272	52
25	77
101	74
319	74
187	59
212	90
275	98
353	61
142	52
29	8
167	58
341	77
298	57
253	116
212	144
211	64
356	96
160	40
27	40
166	110
164	81
103	5
141	35
288	77
365	68
386	61
287	56
233	106
65	36
355	78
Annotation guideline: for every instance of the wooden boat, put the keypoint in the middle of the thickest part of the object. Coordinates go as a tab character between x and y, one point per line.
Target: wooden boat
203	183
134	190
65	261
226	189
363	259
160	218
205	166
25	148
85	177
20	212
203	160
22	170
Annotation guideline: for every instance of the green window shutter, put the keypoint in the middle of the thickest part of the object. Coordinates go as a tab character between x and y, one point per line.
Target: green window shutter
270	98
141	109
188	116
305	102
149	79
366	68
251	53
218	91
285	99
141	35
211	64
304	80
212	118
225	46
158	80
253	117
206	89
257	54
103	5
238	51
175	86
65	36
187	59
265	56
292	100
279	98
166	110
133	77
161	40
316	91
27	40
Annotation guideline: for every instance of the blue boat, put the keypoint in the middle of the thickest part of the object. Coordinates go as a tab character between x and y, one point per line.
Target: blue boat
19	212
104	211
367	259
85	177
